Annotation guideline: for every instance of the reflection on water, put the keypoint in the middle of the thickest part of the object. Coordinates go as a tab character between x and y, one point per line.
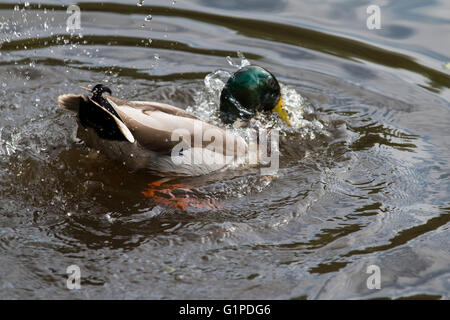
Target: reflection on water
255	5
363	179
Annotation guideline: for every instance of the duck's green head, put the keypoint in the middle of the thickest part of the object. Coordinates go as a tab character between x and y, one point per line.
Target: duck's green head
249	90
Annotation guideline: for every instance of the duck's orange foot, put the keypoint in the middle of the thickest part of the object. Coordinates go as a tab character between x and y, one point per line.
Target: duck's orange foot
177	196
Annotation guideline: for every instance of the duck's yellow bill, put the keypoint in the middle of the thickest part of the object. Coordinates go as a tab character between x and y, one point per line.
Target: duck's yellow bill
282	112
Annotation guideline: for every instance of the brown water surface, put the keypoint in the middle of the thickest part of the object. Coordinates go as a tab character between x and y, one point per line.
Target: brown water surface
365	180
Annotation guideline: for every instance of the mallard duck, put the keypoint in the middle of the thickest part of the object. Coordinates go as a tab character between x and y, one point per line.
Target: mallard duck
152	135
168	140
251	90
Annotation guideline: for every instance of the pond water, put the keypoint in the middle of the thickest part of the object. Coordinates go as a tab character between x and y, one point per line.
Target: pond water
364	181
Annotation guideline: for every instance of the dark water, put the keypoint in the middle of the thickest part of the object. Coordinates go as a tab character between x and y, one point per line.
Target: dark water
365	181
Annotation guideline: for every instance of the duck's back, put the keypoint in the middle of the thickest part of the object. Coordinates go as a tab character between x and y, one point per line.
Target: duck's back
159	127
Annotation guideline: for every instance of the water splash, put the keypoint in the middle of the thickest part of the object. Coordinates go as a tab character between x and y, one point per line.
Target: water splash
207	104
242	63
9	143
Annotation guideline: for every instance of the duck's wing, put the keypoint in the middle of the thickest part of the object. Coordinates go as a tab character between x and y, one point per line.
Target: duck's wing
160	127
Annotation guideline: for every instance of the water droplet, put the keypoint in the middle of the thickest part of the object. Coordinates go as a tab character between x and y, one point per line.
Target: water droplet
148	18
230	61
109	218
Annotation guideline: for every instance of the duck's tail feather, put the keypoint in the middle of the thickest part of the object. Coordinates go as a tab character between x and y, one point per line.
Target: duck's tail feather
91	114
108	123
70	101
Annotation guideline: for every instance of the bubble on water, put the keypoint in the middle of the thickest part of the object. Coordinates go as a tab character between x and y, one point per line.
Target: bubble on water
140	3
148	18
